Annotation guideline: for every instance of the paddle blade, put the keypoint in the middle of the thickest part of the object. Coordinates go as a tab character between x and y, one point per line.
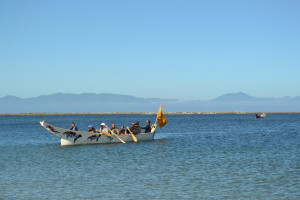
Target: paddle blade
132	135
117	136
120	138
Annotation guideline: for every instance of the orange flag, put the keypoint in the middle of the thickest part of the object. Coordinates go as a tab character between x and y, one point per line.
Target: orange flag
161	119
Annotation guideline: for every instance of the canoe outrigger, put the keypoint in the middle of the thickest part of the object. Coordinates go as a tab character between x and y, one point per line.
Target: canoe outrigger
68	137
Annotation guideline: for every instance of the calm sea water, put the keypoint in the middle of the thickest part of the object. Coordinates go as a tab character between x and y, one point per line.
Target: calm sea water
192	157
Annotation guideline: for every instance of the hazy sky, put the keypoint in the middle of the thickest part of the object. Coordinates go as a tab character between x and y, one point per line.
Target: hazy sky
147	48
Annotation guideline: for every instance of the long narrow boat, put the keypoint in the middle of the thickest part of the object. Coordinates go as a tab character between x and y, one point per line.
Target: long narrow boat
68	137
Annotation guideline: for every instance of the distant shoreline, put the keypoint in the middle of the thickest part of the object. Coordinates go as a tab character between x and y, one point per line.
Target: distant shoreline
135	113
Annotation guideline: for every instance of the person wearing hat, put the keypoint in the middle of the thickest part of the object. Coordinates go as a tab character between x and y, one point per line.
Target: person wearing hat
103	128
91	129
147	127
136	129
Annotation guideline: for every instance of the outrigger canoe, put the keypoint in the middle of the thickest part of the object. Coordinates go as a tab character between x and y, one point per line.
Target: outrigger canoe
68	137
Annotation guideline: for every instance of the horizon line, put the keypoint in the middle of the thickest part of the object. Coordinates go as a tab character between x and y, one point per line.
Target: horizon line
135	113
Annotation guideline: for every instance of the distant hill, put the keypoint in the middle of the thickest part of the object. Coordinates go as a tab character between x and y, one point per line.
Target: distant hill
10	99
92	98
240	96
86	102
106	102
244	102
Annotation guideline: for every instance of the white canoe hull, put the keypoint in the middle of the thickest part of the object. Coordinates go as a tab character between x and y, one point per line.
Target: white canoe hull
68	137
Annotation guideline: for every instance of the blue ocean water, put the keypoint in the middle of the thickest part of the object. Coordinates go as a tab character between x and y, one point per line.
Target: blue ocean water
223	156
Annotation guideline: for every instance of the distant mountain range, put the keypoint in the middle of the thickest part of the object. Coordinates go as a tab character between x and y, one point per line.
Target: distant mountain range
235	97
106	102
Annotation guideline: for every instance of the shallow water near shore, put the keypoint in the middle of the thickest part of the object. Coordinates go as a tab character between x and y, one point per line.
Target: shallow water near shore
225	156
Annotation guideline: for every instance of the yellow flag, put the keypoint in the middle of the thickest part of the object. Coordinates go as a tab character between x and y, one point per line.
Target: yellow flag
161	119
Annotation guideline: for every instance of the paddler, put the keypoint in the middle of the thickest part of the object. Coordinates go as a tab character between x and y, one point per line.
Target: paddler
104	129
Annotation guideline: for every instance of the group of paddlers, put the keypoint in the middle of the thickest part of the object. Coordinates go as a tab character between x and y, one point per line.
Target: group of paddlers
134	129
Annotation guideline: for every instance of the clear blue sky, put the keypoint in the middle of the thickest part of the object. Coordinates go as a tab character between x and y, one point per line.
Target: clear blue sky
149	48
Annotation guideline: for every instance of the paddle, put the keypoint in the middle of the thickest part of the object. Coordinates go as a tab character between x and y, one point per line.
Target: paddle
132	135
105	133
117	136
